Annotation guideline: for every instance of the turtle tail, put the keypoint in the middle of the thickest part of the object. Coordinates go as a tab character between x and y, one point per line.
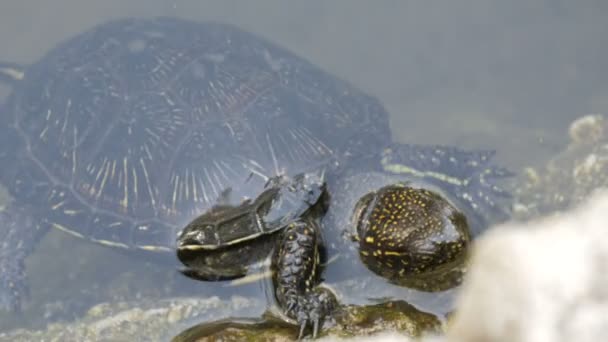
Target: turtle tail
469	175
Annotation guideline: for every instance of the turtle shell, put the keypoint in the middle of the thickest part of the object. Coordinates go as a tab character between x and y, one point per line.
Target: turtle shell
128	131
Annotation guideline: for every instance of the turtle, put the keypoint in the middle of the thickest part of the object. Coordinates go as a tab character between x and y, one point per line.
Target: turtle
139	130
409	213
124	133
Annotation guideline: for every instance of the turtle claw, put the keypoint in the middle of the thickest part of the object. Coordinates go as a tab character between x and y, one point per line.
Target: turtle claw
304	320
312	310
302	328
315	329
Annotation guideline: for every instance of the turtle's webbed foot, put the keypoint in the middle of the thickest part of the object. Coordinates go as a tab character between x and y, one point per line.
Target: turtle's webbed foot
311	310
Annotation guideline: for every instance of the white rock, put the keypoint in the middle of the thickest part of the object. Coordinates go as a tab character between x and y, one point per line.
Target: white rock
545	280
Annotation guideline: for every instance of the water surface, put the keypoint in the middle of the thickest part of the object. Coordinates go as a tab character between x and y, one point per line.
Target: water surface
503	75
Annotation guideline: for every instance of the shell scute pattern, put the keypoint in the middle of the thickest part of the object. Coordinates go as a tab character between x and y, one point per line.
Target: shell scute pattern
136	126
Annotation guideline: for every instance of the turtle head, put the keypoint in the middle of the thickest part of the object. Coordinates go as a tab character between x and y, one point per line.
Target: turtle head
218	227
197	235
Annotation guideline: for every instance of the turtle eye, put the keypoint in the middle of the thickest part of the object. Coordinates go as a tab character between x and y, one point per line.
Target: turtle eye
194	237
186	237
200	237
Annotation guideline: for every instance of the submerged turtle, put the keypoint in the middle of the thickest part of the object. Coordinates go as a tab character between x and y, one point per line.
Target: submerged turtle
126	132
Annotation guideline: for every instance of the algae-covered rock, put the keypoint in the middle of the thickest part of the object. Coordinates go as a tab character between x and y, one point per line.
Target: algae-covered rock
349	321
569	177
137	321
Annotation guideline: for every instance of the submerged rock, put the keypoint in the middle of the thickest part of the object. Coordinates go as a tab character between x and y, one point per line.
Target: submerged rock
137	321
350	321
571	176
162	320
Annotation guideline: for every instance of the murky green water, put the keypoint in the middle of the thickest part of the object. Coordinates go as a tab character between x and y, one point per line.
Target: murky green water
503	75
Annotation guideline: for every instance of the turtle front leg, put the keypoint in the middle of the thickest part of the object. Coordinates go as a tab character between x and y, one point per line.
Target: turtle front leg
296	274
18	236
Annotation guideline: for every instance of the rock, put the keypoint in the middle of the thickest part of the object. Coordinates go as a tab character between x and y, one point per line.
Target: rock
571	176
545	280
137	321
398	317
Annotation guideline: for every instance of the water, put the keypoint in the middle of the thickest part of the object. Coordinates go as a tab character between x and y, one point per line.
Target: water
509	76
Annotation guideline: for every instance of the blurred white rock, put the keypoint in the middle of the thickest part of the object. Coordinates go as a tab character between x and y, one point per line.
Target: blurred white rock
543	280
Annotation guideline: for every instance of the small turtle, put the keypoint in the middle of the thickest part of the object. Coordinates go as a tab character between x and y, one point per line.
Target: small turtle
123	134
226	240
413	210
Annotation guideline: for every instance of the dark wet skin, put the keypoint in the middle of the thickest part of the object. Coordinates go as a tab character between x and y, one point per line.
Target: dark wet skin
296	274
